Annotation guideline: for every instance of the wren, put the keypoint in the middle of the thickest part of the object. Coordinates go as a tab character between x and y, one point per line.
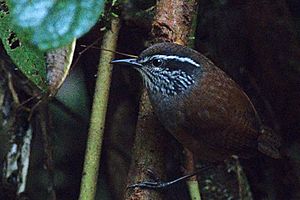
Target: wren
200	105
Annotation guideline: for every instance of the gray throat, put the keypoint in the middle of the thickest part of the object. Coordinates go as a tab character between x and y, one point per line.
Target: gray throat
166	83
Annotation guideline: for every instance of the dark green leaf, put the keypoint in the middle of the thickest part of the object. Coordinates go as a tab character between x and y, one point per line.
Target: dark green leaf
54	23
29	60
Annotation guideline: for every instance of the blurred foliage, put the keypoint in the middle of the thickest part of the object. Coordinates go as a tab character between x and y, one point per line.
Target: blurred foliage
29	60
50	24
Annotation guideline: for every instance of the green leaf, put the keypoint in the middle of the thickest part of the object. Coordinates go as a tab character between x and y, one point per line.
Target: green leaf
54	23
29	60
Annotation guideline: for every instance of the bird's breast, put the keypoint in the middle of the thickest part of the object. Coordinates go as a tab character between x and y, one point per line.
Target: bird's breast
169	110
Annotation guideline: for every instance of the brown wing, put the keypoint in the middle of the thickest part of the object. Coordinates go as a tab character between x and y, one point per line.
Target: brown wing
222	115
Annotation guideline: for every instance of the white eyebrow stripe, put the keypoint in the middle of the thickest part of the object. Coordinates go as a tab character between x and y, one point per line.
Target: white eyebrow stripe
181	59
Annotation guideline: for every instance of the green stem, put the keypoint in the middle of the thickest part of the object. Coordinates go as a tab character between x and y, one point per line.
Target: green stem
193	187
95	137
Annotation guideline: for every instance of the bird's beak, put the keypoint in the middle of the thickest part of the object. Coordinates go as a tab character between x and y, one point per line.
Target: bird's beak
132	62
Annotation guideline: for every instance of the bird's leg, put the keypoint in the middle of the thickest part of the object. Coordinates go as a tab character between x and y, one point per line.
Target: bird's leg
157	183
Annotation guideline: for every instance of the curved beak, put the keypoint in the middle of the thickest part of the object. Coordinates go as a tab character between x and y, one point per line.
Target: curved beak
132	62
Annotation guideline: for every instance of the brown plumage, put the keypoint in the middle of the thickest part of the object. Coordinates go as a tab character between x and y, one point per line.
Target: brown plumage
200	105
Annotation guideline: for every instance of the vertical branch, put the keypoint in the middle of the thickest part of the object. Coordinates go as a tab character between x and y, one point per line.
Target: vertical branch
97	122
172	23
148	151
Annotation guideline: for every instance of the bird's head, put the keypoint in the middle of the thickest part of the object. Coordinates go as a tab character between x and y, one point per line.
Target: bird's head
168	69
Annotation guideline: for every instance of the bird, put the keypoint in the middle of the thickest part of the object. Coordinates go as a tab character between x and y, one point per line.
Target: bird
200	105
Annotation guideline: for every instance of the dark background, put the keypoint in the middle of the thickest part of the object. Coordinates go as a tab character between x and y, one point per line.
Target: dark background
255	41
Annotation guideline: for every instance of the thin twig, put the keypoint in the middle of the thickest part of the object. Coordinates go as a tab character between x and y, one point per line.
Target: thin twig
83	51
48	148
116	52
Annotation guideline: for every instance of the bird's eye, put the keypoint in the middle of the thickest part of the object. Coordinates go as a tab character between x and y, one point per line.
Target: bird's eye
157	62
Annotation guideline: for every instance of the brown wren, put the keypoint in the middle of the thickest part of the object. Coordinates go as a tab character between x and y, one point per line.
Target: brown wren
200	105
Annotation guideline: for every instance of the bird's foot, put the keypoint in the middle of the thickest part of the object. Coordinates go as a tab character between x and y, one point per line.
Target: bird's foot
157	183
